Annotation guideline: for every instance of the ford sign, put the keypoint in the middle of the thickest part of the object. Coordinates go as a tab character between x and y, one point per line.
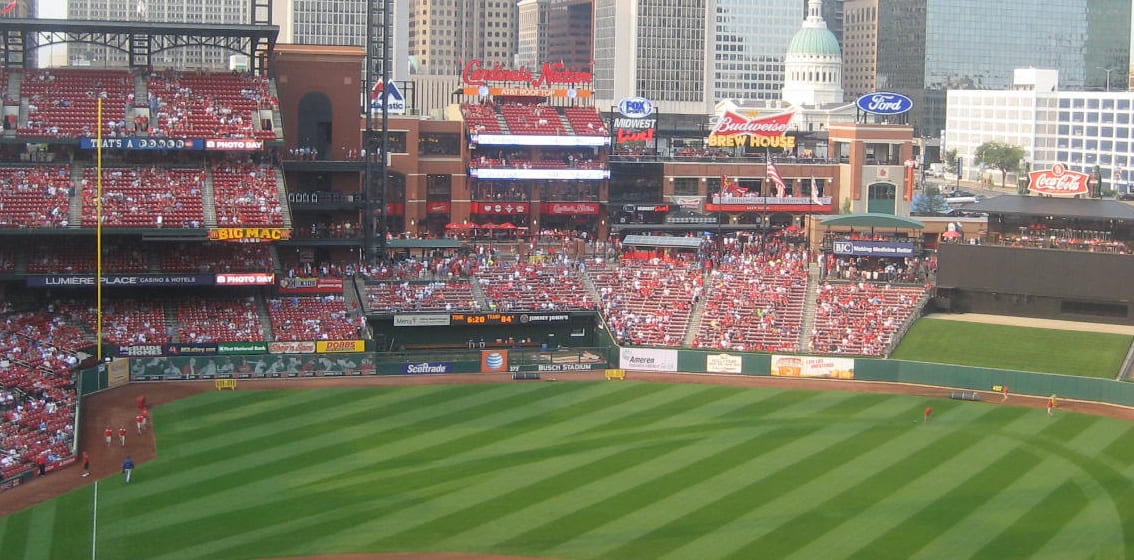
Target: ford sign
884	103
635	107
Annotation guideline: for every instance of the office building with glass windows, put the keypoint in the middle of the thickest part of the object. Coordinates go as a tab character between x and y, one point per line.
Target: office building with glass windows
1087	131
923	48
686	55
216	12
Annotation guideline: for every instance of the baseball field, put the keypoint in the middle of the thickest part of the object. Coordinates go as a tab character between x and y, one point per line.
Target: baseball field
581	470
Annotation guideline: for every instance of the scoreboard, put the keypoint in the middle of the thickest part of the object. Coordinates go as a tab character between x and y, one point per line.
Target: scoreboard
483	319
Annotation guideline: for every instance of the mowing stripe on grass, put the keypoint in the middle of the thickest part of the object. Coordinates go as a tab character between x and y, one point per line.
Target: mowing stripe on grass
760	482
710	452
685	407
807	513
1122	448
14	534
1028	534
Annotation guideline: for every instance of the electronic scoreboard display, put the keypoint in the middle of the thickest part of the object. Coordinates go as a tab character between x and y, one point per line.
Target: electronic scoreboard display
483	319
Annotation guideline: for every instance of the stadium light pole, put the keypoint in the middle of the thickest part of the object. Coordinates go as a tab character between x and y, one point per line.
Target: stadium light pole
376	149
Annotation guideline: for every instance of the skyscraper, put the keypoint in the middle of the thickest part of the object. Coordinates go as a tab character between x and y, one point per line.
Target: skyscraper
923	48
211	12
342	22
689	54
445	34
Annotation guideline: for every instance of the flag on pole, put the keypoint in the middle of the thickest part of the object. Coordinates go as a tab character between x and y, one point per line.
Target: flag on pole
10	7
777	179
141	8
814	191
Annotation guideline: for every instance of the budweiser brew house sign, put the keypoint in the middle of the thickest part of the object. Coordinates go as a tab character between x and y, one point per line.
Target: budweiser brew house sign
1059	181
734	130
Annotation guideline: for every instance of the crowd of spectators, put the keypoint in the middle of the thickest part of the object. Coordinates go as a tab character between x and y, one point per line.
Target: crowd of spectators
861	318
145	197
754	300
527	286
209	104
35	197
219	319
217	257
648	302
247	194
313	318
38	397
904	270
432	295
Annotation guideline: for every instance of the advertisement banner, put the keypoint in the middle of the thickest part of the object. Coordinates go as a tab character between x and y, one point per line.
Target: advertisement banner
570	208
249	235
132	280
430	320
298	347
493	361
343	346
437	207
422	368
551	174
723	363
261	366
509	208
812	366
117	373
647	359
311	285
1059	181
242	348
134	143
191	348
140	351
234	144
246	279
872	248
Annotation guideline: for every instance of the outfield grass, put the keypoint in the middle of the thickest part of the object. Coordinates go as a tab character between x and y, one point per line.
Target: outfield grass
604	470
1021	348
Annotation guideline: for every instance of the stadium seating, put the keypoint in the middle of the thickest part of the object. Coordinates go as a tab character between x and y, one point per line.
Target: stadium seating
861	318
481	118
533	287
64	102
754	302
209	104
247	195
532	120
219	319
398	297
586	121
648	302
217	257
311	318
144	197
35	196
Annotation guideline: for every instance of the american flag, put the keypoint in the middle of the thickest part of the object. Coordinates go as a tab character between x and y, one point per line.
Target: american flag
777	179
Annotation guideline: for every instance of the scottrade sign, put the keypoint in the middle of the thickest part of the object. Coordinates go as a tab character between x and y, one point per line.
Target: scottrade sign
884	103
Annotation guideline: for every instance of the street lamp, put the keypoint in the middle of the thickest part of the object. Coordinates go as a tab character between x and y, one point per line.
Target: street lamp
1108	71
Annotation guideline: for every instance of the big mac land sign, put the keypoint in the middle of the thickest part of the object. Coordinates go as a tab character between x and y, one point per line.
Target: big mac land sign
734	130
1059	181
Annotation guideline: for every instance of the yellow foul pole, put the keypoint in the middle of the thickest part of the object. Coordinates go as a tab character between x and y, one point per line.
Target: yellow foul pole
98	234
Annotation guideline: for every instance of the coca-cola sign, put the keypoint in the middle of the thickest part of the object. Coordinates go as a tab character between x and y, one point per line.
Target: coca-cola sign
1059	181
475	74
733	124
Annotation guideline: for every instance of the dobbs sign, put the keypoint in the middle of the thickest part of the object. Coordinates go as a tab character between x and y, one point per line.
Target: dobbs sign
1059	181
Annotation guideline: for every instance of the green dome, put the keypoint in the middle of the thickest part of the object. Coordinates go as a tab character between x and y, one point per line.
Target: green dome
814	41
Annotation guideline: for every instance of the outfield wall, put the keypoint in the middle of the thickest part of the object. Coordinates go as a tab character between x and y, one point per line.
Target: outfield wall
871	369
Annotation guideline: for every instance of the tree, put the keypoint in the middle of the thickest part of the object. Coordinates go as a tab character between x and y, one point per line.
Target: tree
929	203
950	161
1004	157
